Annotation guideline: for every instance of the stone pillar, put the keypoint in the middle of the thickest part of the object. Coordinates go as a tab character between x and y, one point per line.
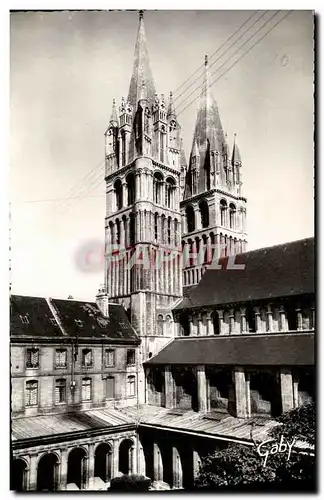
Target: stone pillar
176	469
133	459
85	484
248	394
137	186
33	472
240	392
286	385
270	319
141	469
196	464
199	325
295	393
202	389
231	321
91	465
282	319
210	325
191	329
257	319
221	321
197	218
168	387
115	458
124	190
63	471
299	319
157	464
243	320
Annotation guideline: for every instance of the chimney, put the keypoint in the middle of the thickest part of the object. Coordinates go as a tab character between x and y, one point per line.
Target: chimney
102	301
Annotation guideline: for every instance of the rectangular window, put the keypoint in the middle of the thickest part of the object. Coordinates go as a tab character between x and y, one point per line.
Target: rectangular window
110	358
86	358
130	359
31	393
86	389
60	358
32	358
110	388
131	385
60	391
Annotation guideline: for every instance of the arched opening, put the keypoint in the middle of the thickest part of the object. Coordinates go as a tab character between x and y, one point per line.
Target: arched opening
232	213
160	323
175	232
223	210
215	319
47	473
118	194
18	477
156	218
111	229
125	457
265	394
131	229
169	230
168	325
219	383
156	386
190	215
103	462
123	148
77	470
130	182
169	192
204	213
186	388
157	188
184	325
117	231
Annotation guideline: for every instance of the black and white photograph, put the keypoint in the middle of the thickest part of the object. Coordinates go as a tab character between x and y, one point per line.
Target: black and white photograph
162	251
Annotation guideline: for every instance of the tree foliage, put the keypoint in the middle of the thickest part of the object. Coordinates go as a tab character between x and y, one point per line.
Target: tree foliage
132	482
241	466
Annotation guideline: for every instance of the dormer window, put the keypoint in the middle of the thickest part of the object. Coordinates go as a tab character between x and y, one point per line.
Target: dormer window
78	322
24	319
53	321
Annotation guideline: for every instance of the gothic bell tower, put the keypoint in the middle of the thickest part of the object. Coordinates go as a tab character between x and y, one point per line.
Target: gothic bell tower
213	208
143	222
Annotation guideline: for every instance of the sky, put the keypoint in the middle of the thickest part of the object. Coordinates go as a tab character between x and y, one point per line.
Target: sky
65	70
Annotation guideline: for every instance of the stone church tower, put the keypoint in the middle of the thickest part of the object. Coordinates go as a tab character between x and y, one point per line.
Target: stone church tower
144	162
213	209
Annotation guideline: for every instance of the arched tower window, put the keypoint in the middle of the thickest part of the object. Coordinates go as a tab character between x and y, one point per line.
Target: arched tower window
111	228
156	217
131	229
190	214
119	194
123	148
169	192
157	188
160	323
223	209
232	212
169	230
204	213
130	181
175	232
117	231
162	143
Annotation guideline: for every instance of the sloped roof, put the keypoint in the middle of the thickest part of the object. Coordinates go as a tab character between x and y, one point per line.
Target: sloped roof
291	349
278	271
80	318
41	321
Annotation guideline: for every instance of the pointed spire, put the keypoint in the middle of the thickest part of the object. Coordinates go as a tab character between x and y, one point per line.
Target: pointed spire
113	117
183	161
236	157
171	108
195	150
143	92
141	69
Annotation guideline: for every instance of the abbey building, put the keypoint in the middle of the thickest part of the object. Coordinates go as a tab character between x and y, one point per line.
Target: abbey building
192	339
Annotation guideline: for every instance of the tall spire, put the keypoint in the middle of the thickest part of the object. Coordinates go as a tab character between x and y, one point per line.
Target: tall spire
236	157
141	69
171	108
113	116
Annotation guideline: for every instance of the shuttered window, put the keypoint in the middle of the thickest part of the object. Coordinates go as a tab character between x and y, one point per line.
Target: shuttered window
31	393
110	357
60	358
86	389
131	386
60	390
110	388
32	358
86	358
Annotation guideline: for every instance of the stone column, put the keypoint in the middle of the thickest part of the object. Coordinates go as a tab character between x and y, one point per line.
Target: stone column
248	394
132	459
243	320
140	458
221	321
197	218
286	385
137	186
240	392
269	316
85	473
64	467
125	197
196	464
299	319
282	319
33	472
202	389
231	321
176	468
91	465
257	319
168	387
191	329
199	325
157	464
115	458
210	325
295	393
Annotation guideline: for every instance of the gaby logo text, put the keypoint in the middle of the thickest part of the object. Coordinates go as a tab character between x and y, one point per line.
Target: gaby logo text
265	449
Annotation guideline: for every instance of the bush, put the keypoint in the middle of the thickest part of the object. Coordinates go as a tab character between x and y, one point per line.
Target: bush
132	482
